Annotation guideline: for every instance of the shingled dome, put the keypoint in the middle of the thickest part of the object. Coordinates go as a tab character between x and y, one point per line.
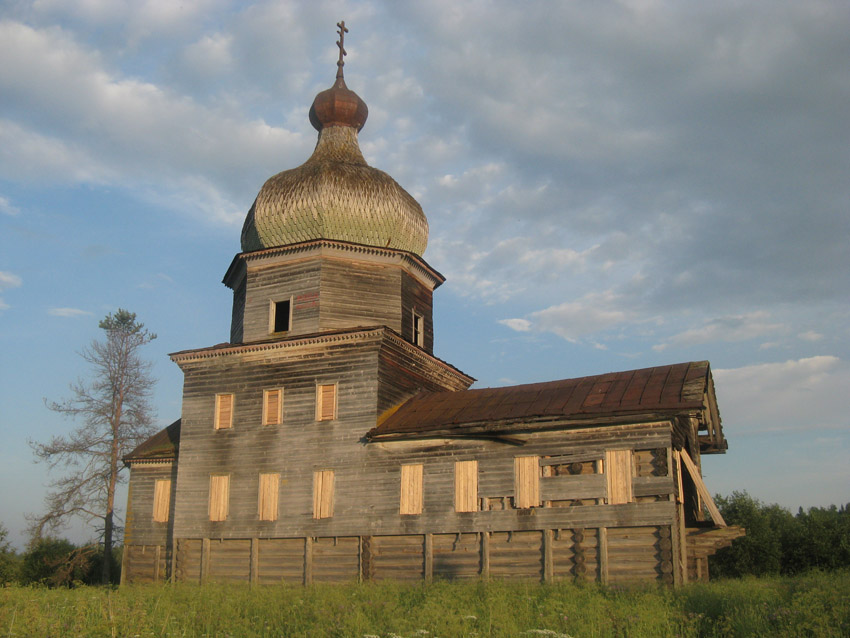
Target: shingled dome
335	194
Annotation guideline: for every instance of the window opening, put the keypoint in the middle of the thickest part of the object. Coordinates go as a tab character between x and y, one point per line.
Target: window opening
418	329
281	318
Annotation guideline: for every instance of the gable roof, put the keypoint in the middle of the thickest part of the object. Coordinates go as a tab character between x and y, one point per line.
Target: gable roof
612	397
162	446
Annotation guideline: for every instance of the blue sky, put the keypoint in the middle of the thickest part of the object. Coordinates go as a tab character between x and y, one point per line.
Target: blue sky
609	185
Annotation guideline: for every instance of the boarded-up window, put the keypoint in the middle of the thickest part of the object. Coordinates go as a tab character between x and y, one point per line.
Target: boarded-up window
411	489
272	407
526	482
466	486
619	472
223	411
323	494
326	402
161	498
267	500
219	496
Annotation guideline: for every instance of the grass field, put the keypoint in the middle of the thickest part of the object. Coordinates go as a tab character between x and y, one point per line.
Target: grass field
817	604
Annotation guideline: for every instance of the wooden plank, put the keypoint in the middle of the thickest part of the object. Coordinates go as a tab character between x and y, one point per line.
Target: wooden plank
485	555
323	494
466	486
619	471
267	497
548	564
526	481
410	498
219	497
703	490
223	411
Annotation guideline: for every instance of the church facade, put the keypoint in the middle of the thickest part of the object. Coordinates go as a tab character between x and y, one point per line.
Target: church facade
326	442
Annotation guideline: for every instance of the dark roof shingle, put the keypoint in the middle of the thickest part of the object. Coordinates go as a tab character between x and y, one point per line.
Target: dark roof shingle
664	389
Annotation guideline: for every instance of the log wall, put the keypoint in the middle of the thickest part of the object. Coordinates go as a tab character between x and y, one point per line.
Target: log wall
630	555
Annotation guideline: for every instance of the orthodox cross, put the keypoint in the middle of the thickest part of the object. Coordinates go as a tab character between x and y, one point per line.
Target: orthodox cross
340	63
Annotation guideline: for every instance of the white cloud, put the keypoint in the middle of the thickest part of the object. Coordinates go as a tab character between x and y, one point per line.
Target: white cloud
520	325
111	129
810	335
68	312
728	328
9	280
7	208
591	314
798	394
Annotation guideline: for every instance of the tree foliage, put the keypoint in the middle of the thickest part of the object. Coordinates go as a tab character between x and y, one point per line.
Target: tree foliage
8	558
779	542
114	407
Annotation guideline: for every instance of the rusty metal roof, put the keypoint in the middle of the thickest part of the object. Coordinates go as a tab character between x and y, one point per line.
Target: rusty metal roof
161	446
662	390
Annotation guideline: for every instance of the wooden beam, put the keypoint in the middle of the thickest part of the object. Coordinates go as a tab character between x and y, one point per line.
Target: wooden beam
254	575
429	557
205	559
603	555
702	490
485	555
548	562
308	560
156	564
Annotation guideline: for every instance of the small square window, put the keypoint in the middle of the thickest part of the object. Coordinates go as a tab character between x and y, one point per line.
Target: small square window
280	315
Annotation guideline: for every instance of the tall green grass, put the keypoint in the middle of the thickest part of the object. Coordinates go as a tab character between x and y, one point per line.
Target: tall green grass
812	605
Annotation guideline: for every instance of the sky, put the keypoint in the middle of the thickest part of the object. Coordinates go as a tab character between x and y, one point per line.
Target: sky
609	186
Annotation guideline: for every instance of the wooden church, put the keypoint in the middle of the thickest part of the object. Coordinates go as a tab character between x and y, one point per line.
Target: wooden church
326	442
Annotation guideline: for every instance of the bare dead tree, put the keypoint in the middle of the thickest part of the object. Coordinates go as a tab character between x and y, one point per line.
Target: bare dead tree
115	408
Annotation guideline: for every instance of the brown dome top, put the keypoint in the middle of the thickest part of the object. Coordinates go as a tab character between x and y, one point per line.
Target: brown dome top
335	194
338	106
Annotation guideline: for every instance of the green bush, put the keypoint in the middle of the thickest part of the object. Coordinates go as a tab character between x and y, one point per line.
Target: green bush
778	542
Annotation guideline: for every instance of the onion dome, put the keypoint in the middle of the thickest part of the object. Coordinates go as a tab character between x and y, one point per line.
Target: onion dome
335	194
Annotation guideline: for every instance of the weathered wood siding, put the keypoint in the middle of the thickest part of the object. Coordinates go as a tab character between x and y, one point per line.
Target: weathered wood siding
299	281
330	294
141	529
